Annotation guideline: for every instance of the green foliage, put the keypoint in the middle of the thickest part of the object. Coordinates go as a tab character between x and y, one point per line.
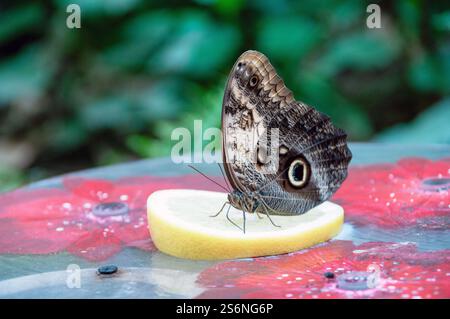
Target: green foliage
19	20
10	179
430	127
116	88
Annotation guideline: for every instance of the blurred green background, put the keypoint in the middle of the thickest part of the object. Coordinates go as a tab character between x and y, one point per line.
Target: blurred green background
113	90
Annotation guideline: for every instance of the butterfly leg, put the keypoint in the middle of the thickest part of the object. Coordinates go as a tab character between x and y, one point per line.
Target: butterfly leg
243	216
229	219
218	213
268	216
255	210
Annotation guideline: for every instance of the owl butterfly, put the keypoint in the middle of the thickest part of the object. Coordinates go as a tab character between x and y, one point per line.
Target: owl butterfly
308	156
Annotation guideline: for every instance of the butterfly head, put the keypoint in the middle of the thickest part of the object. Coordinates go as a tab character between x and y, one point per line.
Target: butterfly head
236	199
242	201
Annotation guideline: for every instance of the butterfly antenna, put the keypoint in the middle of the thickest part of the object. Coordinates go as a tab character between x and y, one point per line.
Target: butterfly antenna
243	216
224	178
221	186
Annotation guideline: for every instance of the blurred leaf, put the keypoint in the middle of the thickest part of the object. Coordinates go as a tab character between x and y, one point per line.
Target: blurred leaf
140	36
65	135
444	67
410	13
140	144
24	76
431	126
441	21
93	8
131	110
270	7
229	7
359	51
163	100
19	19
198	46
288	37
109	112
16	153
353	11
423	74
109	155
10	178
146	146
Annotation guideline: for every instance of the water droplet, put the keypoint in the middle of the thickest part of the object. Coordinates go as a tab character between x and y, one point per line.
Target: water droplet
436	184
355	280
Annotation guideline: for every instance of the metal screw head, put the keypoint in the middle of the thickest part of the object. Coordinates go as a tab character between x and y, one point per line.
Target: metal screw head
329	275
107	269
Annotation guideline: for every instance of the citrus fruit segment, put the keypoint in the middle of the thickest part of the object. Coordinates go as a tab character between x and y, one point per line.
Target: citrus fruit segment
180	225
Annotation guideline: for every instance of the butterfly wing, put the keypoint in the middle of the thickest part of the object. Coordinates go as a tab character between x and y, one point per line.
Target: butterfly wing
284	150
242	120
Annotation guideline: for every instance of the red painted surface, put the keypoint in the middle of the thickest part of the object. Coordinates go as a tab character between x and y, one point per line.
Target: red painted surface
411	192
47	221
370	270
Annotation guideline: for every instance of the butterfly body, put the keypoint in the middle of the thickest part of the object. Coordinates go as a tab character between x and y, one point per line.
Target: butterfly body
280	155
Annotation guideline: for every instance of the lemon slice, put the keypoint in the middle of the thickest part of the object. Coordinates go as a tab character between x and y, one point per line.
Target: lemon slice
181	226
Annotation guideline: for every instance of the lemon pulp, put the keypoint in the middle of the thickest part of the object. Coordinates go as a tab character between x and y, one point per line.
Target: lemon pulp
180	225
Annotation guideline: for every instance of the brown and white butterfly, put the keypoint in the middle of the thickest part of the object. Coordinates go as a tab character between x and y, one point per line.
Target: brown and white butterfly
311	155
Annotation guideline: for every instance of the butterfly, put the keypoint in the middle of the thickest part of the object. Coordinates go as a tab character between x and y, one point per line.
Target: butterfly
281	156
